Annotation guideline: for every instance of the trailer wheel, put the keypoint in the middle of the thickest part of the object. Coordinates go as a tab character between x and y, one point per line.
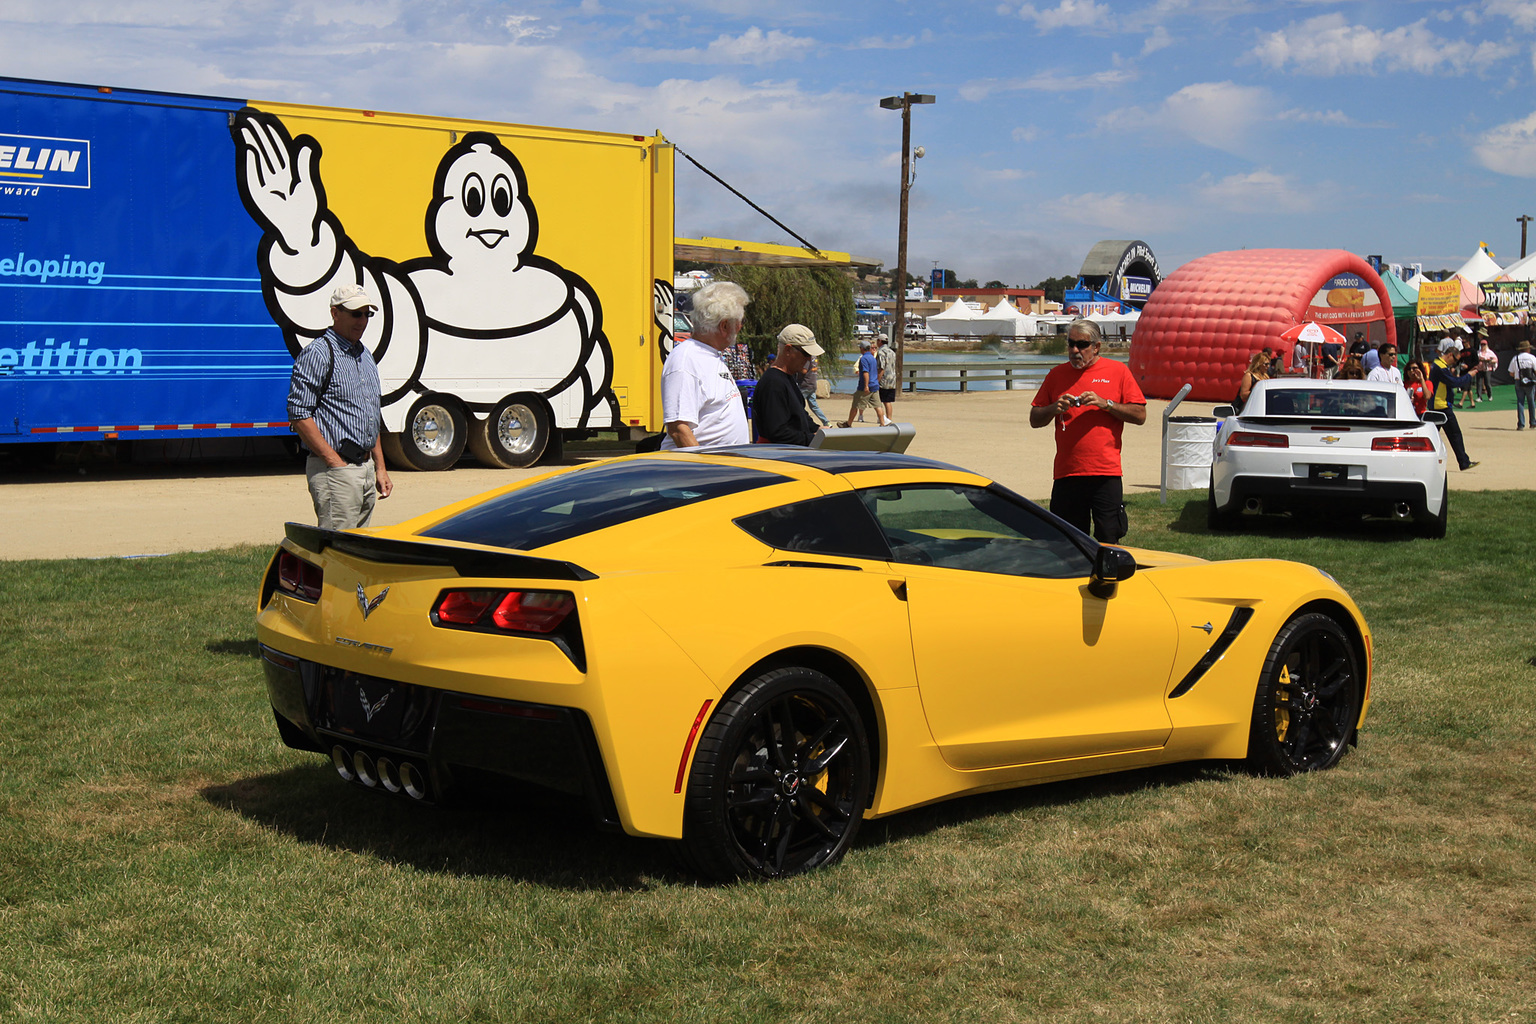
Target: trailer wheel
434	436
514	435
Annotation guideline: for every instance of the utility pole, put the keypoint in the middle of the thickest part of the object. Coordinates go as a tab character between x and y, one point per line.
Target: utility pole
904	104
1525	221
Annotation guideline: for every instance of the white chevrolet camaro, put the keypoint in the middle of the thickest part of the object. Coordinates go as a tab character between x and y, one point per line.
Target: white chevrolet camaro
1338	447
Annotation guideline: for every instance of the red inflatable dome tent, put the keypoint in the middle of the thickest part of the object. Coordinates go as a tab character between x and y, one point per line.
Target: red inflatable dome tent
1207	319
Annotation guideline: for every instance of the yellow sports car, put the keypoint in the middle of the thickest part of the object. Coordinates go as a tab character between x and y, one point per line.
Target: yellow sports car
748	650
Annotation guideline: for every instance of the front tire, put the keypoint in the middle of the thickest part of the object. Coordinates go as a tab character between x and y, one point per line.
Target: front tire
780	780
1308	700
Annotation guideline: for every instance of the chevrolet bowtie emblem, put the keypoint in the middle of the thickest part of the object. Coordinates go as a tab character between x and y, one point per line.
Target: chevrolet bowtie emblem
1330	439
366	606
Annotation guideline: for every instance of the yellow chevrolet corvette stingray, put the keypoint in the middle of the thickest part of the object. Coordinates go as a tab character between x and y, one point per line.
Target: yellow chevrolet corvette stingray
749	650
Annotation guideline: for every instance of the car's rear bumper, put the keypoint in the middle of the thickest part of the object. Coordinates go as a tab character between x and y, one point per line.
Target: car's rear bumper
1367	497
451	739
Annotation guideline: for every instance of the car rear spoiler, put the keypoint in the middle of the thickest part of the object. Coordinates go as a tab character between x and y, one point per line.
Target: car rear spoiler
464	561
1332	421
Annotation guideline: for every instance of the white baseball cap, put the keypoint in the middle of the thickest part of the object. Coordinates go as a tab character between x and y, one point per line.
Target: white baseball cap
800	336
353	296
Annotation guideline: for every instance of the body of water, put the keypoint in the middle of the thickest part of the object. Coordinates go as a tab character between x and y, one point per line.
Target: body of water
1036	367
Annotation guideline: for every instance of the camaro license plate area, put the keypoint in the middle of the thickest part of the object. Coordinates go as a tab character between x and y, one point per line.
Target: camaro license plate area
371	708
1325	474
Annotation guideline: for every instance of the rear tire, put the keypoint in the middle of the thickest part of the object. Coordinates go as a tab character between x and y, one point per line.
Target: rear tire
780	780
1215	518
436	430
1308	700
514	435
1432	526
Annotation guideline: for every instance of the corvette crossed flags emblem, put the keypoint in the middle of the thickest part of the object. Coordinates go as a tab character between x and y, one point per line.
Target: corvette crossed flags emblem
365	605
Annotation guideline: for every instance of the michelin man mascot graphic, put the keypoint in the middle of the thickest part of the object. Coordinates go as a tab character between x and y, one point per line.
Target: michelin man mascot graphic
482	342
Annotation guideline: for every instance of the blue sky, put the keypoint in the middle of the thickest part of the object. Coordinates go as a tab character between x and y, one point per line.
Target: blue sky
1406	129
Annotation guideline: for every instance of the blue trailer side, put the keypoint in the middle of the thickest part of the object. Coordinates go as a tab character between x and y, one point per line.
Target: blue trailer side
130	302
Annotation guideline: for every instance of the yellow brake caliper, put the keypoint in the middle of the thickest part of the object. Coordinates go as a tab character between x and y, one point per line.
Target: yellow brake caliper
1282	697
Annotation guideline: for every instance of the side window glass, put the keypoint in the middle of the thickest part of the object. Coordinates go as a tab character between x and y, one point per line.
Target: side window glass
975	529
835	525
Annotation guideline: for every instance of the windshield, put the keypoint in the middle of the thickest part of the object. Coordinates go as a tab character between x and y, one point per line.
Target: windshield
1331	402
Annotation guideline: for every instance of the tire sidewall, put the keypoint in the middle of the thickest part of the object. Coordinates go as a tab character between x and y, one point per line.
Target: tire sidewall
1264	750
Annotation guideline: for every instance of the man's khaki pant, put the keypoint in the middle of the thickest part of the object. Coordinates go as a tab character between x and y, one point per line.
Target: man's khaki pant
344	496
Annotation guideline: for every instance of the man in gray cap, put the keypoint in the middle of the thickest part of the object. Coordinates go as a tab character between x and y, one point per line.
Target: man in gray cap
778	406
333	405
865	396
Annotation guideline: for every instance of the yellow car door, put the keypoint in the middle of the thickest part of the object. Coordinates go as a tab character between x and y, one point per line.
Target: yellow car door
1017	662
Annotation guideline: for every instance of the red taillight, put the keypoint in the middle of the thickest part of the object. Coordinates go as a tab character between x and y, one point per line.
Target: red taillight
297	577
533	611
1250	439
1402	444
464	607
515	611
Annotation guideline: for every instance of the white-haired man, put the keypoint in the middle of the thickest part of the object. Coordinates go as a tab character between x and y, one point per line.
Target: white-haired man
700	404
333	405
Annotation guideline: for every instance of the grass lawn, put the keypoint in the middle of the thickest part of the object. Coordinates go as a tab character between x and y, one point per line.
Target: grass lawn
164	858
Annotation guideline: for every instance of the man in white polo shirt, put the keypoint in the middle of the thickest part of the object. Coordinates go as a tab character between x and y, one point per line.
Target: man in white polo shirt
700	404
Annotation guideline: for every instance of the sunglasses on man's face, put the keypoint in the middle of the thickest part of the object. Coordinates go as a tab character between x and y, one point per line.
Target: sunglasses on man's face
1078	342
358	314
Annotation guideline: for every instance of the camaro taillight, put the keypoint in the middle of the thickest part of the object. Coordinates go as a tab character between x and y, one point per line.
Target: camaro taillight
1251	439
511	611
1402	444
297	577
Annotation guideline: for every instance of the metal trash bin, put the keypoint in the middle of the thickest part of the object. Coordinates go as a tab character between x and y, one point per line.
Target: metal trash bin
1191	449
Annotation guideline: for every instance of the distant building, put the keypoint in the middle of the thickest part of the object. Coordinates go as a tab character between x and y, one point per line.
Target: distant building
1026	300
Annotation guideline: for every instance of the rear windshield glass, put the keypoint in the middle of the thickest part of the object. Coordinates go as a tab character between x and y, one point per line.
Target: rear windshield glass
585	500
1330	402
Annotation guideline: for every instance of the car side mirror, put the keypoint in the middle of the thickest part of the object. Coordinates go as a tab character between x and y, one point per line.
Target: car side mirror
1437	418
1110	566
1221	412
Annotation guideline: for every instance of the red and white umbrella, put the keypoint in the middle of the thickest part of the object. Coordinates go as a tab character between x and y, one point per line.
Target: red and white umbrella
1313	334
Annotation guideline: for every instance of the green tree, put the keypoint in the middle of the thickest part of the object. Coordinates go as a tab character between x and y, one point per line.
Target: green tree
995	284
1055	288
820	299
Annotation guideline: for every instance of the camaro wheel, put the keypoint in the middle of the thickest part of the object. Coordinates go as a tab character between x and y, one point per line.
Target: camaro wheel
1434	526
1308	701
1215	518
780	780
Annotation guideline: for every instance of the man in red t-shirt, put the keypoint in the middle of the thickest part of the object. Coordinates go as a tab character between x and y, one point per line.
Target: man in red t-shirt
1090	400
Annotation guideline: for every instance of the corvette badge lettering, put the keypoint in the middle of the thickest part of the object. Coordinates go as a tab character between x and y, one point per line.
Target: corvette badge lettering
366	606
371	648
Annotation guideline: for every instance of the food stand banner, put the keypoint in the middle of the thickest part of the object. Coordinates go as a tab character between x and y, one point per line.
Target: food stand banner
1440	305
1345	298
1506	302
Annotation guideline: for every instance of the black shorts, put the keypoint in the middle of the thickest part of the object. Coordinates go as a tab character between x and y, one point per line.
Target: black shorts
1079	498
887	394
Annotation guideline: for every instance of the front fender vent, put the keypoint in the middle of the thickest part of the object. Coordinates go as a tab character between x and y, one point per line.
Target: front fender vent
1235	624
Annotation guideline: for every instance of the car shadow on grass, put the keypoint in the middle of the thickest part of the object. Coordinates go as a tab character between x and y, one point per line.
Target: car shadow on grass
526	835
1050	795
1192	519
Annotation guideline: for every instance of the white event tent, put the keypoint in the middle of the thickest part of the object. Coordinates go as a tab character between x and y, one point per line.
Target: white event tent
1002	319
956	320
1480	267
1523	269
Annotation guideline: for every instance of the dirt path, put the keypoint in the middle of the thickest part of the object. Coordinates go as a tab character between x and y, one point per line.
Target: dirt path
106	511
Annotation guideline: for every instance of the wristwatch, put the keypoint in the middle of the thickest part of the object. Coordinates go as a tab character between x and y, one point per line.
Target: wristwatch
1109	404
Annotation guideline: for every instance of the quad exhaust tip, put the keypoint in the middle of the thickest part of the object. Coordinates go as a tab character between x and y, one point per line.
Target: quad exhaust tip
384	773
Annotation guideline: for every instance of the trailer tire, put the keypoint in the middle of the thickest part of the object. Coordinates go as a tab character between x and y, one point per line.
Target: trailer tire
436	430
515	434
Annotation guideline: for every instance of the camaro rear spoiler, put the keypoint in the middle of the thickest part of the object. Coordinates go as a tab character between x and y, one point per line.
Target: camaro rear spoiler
464	561
1331	422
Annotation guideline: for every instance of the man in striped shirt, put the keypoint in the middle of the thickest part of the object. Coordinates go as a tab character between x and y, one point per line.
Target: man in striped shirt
333	404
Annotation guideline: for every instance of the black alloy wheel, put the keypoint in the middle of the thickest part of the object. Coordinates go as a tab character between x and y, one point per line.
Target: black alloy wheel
1308	701
780	780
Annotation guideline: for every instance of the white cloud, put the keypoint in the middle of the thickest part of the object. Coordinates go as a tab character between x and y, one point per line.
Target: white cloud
1046	81
1026	133
1221	115
1521	12
1067	14
1329	45
1258	193
1510	148
754	46
885	43
1159	39
1118	211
